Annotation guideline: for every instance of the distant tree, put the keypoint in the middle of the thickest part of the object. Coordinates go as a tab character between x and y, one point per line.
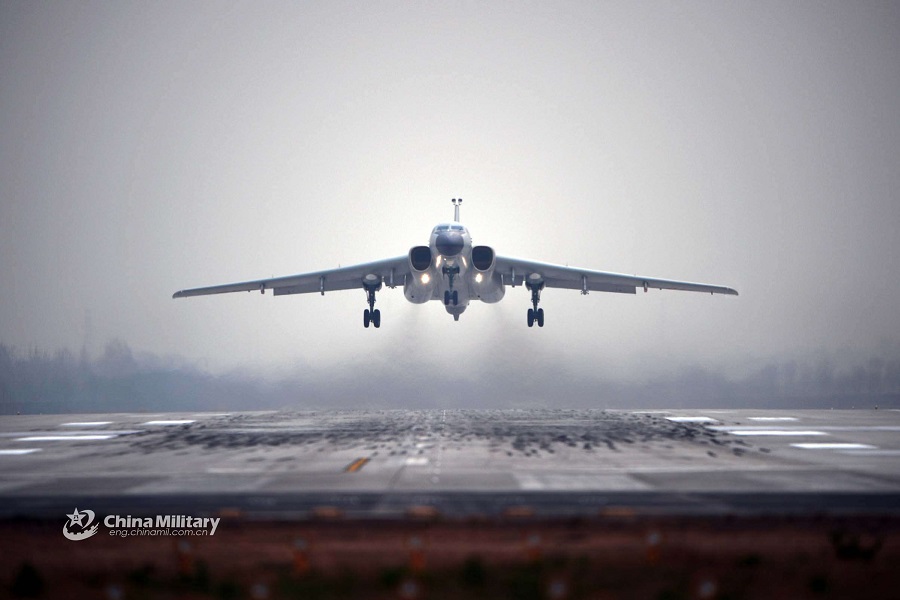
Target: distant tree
6	379
117	360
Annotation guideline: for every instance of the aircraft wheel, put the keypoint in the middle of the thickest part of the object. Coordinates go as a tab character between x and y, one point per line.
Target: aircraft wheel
366	318
446	298
455	297
531	317
376	318
540	317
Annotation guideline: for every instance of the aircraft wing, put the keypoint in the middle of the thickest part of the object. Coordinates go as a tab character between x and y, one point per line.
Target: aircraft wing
391	271
516	271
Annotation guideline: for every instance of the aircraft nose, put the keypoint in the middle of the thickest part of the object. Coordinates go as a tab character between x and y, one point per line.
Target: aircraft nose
449	243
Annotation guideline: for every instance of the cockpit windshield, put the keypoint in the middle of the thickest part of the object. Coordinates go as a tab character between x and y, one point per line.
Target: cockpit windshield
440	228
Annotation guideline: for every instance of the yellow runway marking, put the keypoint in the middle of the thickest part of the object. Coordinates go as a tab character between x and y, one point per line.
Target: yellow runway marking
356	465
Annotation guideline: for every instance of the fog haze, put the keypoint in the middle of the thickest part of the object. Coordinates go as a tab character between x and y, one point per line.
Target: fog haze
151	147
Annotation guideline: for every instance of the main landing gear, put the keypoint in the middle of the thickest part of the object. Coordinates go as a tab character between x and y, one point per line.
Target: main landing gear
535	314
372	315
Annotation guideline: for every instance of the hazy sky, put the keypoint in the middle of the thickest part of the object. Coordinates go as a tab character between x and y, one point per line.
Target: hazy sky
153	146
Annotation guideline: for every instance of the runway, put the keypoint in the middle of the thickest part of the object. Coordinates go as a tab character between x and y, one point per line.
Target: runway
455	463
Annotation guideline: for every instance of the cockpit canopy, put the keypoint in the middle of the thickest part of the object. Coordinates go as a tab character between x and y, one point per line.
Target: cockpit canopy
449	227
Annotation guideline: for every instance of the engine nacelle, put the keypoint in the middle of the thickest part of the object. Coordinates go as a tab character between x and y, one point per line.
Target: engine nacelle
419	286
483	258
486	284
420	258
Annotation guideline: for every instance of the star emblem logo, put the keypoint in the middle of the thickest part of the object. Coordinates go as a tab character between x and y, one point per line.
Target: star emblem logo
76	517
81	521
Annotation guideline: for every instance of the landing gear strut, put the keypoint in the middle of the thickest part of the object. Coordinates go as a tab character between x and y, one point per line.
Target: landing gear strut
451	295
372	315
535	314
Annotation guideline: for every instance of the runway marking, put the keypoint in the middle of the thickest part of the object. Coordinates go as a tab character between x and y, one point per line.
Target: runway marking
834	446
578	481
692	419
823	428
356	465
19	452
173	422
232	470
861	428
64	438
82	433
773	418
86	423
785	432
529	482
417	460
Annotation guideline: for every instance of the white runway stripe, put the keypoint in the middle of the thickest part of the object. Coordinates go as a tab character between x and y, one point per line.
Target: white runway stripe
64	438
784	432
692	419
834	446
728	428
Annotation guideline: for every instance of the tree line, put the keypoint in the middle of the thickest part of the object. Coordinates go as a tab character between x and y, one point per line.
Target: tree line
121	380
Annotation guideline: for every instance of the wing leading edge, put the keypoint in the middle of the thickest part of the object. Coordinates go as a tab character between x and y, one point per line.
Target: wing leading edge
517	271
392	271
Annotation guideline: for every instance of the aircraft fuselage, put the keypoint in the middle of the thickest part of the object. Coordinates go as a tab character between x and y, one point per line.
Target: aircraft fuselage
451	270
451	244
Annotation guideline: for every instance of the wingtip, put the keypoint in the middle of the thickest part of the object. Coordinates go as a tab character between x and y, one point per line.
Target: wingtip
176	295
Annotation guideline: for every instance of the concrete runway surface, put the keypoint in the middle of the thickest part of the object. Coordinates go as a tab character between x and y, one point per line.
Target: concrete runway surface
452	504
458	463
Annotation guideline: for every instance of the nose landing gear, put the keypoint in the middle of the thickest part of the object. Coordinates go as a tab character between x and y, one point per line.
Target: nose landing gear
451	295
535	314
372	315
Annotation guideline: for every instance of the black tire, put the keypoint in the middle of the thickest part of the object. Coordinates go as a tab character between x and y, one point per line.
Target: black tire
446	298
366	318
376	318
540	317
531	317
455	297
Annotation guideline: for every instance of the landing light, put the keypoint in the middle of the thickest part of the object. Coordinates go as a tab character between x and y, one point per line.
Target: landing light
478	278
425	278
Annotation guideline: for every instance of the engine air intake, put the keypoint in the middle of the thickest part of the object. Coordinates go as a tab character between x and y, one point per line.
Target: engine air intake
420	258
482	257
